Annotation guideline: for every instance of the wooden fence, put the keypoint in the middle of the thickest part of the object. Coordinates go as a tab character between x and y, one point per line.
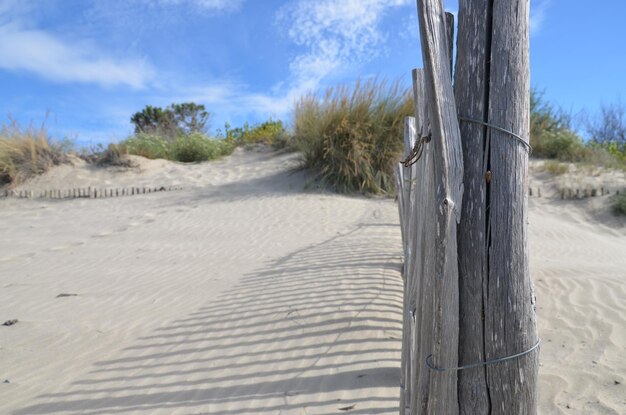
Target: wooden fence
463	213
85	192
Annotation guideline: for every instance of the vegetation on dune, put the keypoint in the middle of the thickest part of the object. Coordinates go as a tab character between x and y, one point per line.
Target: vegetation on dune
552	135
177	132
352	137
555	167
619	204
26	152
189	148
172	121
271	132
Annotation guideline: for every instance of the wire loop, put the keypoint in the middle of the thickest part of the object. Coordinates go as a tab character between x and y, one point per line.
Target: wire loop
502	130
479	364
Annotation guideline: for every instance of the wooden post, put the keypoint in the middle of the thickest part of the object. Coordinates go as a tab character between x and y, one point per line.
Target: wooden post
420	266
404	185
496	294
440	249
471	92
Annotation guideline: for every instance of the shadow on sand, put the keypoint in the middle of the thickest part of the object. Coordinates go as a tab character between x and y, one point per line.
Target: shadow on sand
317	331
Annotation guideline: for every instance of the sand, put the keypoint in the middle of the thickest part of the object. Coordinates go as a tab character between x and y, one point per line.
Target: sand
252	292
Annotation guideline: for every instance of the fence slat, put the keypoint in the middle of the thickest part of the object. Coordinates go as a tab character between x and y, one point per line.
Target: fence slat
440	246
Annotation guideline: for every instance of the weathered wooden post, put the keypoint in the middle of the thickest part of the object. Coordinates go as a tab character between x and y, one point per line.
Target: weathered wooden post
438	343
498	334
469	335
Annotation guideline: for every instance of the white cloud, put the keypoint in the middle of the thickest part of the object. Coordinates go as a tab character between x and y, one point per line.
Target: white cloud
334	36
538	14
37	51
334	33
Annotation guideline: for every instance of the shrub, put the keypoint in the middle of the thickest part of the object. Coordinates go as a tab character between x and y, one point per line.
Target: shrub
198	147
114	155
185	148
150	146
353	137
619	204
551	133
26	152
270	132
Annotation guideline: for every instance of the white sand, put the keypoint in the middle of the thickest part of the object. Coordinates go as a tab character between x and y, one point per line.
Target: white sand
245	294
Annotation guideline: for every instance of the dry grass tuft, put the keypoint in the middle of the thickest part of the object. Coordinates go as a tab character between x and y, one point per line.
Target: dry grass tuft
26	152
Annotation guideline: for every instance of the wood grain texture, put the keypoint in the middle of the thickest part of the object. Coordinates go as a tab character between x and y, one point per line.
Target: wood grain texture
441	251
405	187
510	323
471	87
422	197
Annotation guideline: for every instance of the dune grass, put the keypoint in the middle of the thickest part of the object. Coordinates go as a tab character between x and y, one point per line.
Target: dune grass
26	152
352	137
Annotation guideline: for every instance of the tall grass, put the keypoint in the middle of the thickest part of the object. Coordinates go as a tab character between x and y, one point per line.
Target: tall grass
26	152
351	137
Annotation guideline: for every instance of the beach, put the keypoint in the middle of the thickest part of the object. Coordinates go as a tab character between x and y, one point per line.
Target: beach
253	291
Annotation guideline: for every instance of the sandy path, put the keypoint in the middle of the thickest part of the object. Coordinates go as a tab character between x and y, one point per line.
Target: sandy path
244	294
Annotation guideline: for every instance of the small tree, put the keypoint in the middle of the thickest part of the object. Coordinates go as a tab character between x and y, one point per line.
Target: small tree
190	117
185	118
153	120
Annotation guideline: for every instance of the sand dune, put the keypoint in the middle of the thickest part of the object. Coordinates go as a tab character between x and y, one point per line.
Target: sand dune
245	294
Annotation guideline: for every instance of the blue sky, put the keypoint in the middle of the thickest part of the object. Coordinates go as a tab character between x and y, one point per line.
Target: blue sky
90	64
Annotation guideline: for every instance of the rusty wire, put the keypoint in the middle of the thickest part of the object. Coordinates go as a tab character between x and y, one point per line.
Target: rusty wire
416	152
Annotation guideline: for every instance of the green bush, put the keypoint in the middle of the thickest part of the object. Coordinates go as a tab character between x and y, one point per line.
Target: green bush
551	133
270	132
148	145
197	147
353	137
619	204
185	148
